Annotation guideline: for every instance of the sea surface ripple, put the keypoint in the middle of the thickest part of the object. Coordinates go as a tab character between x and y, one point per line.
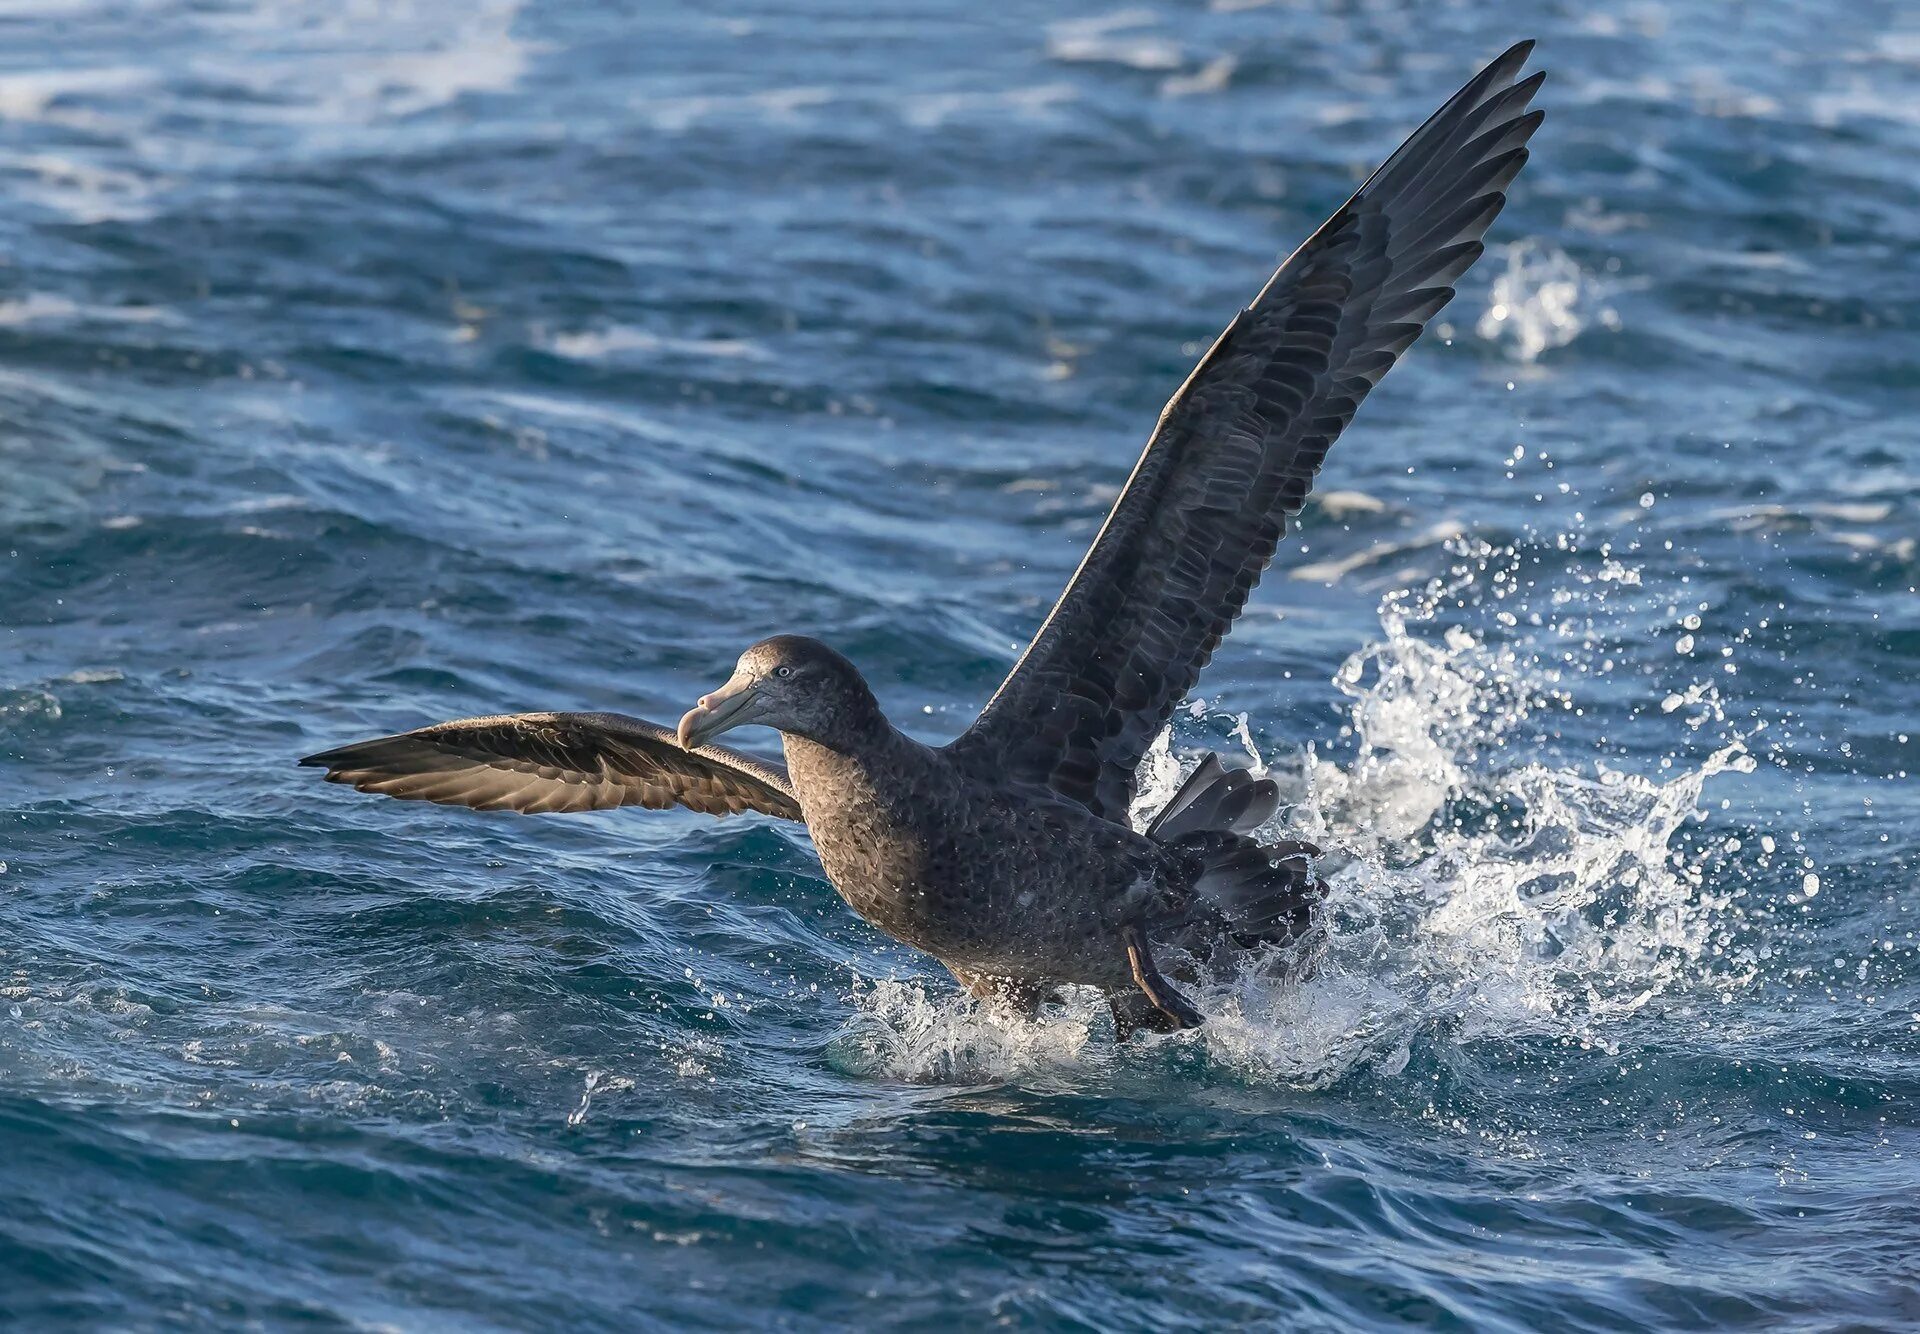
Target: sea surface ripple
363	365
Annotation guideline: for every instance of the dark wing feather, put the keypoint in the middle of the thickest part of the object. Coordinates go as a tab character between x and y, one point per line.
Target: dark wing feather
1237	448
559	762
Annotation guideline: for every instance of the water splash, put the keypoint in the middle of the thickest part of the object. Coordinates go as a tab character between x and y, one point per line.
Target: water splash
1542	301
931	1033
596	1083
1478	890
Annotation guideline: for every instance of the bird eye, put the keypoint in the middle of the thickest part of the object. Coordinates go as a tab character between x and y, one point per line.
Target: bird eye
783	671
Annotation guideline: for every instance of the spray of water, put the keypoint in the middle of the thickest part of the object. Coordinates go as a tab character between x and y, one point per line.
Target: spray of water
1478	890
1540	301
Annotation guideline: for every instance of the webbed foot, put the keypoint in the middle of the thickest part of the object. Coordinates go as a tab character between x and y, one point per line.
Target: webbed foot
1133	1013
1174	1008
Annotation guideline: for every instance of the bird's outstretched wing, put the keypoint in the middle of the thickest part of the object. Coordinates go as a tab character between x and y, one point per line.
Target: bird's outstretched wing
1237	448
559	762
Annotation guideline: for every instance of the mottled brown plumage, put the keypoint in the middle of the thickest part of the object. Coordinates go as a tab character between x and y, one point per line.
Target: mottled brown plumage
1008	854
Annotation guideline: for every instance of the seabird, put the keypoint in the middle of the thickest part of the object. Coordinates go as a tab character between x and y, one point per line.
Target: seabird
1007	854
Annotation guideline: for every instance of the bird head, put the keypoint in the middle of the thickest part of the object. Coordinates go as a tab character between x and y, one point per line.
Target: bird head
790	683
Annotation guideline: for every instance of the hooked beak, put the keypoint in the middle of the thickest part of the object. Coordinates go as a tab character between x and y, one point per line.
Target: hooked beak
724	708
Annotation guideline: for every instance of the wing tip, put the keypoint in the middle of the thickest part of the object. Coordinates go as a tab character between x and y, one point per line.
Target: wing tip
1503	71
340	757
1508	63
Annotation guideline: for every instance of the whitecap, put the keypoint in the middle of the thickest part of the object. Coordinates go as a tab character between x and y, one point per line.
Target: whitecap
39	307
600	344
85	191
1332	571
48	95
1108	39
334	66
1212	77
918	1032
1344	504
932	110
771	105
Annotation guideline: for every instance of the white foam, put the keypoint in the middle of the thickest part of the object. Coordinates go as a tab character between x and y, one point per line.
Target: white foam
929	1033
1212	77
85	191
336	69
601	344
1345	504
48	95
1109	39
932	110
38	307
768	106
1333	571
1875	511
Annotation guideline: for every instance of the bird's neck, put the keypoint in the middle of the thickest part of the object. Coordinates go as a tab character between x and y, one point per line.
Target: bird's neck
848	763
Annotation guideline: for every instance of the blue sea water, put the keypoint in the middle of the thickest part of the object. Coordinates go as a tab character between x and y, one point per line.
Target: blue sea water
367	364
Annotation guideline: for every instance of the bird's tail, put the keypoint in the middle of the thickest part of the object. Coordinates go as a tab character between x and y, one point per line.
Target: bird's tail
1244	892
1258	892
1216	797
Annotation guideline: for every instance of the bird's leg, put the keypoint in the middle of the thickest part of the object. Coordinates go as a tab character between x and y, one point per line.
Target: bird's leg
1146	975
1133	1012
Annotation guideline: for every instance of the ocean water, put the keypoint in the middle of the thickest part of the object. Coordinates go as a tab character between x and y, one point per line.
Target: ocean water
364	365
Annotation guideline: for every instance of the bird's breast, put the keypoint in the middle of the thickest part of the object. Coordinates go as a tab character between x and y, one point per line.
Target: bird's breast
977	876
